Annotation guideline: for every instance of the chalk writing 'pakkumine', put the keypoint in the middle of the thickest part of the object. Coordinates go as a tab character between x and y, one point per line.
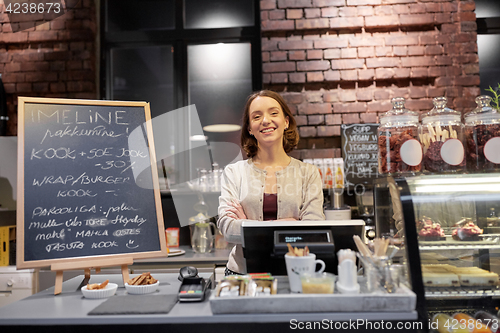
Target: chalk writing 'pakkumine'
68	131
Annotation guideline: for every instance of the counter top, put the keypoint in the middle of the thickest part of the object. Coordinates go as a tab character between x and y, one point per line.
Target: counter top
203	261
217	257
71	308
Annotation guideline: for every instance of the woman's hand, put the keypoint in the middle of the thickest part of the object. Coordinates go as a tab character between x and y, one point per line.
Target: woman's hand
236	211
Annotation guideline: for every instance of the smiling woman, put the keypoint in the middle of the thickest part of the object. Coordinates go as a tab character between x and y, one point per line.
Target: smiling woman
270	185
265	106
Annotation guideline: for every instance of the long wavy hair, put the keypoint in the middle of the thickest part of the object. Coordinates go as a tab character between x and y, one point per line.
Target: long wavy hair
290	136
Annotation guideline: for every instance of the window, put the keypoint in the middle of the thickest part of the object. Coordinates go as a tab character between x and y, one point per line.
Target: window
215	76
143	73
143	15
219	14
488	42
175	53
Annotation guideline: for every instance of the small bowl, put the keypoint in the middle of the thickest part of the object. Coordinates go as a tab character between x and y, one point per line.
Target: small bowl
142	289
317	283
107	291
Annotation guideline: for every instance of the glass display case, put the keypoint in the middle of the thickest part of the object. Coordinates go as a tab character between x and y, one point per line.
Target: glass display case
448	228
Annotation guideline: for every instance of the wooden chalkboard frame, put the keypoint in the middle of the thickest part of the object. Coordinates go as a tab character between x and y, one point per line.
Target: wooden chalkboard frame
86	262
350	177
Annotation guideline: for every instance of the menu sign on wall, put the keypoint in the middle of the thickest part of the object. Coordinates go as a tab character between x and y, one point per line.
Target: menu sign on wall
79	197
360	150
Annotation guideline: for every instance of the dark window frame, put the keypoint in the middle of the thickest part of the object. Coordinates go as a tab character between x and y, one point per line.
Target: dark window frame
487	26
179	38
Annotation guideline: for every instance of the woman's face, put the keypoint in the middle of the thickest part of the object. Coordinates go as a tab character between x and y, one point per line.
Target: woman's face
267	120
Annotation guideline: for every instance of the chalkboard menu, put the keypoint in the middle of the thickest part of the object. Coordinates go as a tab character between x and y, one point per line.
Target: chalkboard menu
360	149
78	196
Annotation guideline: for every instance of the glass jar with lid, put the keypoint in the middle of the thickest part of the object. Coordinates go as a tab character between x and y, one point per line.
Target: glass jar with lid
482	137
442	138
399	150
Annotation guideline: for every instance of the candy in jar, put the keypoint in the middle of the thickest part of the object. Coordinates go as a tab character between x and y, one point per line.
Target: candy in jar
442	138
399	151
482	136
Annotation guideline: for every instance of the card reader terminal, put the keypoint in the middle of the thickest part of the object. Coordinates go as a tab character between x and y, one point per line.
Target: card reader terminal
193	289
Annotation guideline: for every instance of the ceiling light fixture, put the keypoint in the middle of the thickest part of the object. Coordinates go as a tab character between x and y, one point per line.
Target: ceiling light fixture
221	128
198	137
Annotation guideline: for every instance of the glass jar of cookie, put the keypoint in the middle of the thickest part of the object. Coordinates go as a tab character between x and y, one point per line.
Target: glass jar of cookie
399	150
482	137
442	138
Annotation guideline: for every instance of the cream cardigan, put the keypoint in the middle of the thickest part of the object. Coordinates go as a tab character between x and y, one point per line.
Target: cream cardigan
300	196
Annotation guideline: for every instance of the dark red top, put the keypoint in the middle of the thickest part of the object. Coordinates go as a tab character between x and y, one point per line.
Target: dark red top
270	206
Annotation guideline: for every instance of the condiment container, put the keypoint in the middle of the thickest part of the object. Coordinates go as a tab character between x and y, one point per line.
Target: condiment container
442	138
482	137
172	237
348	278
317	283
399	151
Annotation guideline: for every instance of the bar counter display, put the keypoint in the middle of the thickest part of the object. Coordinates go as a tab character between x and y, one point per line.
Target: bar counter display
452	220
69	311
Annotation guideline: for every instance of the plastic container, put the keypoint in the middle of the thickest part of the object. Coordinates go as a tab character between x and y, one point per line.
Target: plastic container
348	278
399	150
172	235
442	139
317	283
482	137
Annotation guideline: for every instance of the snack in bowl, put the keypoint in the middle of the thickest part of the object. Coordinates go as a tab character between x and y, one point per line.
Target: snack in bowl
142	284
99	290
94	286
143	279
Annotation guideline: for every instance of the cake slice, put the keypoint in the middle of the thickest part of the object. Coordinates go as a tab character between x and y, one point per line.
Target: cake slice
474	276
470	279
440	279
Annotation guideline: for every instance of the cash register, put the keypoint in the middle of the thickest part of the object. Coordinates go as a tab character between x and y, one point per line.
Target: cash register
265	242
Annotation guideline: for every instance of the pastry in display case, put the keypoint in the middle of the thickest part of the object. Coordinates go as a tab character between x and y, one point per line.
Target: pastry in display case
449	232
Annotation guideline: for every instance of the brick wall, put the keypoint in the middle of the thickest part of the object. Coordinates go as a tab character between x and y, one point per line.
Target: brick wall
53	59
341	61
334	61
